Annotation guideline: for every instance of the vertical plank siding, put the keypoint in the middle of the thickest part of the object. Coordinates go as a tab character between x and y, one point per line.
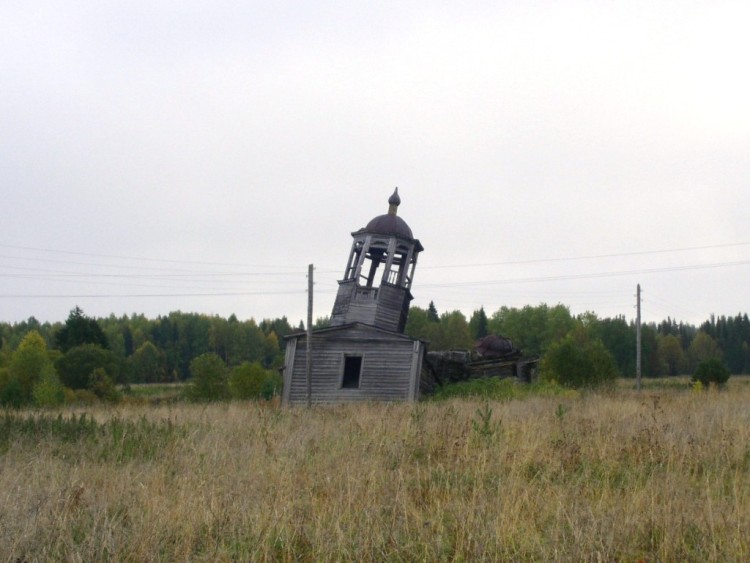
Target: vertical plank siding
393	306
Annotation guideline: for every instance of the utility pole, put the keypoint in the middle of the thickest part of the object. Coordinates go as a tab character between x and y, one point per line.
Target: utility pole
308	367
638	340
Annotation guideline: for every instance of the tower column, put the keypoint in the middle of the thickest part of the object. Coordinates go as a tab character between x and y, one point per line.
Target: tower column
389	262
413	266
404	279
361	259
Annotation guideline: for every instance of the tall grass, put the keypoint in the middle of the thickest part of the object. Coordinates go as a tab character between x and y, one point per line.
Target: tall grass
500	390
611	476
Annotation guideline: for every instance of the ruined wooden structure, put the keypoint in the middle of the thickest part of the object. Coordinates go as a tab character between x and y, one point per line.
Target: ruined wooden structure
364	355
453	366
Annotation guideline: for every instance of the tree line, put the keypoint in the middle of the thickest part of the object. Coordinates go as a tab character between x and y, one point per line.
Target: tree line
48	363
40	362
161	349
668	347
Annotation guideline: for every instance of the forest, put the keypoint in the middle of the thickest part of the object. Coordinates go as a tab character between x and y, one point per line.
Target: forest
668	347
86	353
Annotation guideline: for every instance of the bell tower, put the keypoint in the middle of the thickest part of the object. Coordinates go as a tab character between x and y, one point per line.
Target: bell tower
376	289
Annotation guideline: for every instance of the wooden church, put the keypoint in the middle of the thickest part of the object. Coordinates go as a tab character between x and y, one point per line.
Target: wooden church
364	355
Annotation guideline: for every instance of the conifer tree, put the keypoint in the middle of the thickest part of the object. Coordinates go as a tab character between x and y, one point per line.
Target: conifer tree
432	314
80	329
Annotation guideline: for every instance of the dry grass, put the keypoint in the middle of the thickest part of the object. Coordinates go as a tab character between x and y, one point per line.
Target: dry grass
661	476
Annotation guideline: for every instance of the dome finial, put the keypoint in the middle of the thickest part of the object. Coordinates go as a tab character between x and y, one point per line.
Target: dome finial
393	202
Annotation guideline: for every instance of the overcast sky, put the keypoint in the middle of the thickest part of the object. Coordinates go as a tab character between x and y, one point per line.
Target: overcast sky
197	156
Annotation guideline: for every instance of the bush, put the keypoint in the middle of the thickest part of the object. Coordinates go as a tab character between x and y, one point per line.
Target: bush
710	371
49	391
27	364
76	366
209	381
11	391
80	397
252	381
103	386
577	361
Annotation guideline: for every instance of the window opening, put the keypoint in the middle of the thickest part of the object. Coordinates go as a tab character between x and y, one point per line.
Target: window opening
375	257
351	267
352	372
394	273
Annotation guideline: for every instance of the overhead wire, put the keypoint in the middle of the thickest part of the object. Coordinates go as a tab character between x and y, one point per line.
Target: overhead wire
440	266
139	295
590	257
213	277
164	272
145	259
590	275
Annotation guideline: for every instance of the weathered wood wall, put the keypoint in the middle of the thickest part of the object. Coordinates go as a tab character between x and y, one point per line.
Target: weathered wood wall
451	366
391	366
384	307
343	300
393	307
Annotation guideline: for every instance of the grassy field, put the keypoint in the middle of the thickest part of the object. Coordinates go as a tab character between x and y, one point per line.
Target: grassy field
154	393
660	476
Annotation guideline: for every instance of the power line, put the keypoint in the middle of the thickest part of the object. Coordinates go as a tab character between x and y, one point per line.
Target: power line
668	306
141	276
217	287
474	284
164	272
142	259
293	269
588	257
592	275
208	287
139	295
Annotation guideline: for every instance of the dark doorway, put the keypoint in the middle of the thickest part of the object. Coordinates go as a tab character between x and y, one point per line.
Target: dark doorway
352	371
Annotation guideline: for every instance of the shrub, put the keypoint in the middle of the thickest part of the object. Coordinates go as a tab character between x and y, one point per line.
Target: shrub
577	361
11	391
209	381
82	397
710	371
252	381
103	386
27	363
76	366
49	391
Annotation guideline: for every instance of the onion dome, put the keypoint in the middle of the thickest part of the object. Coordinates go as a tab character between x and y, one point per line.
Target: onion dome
390	224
